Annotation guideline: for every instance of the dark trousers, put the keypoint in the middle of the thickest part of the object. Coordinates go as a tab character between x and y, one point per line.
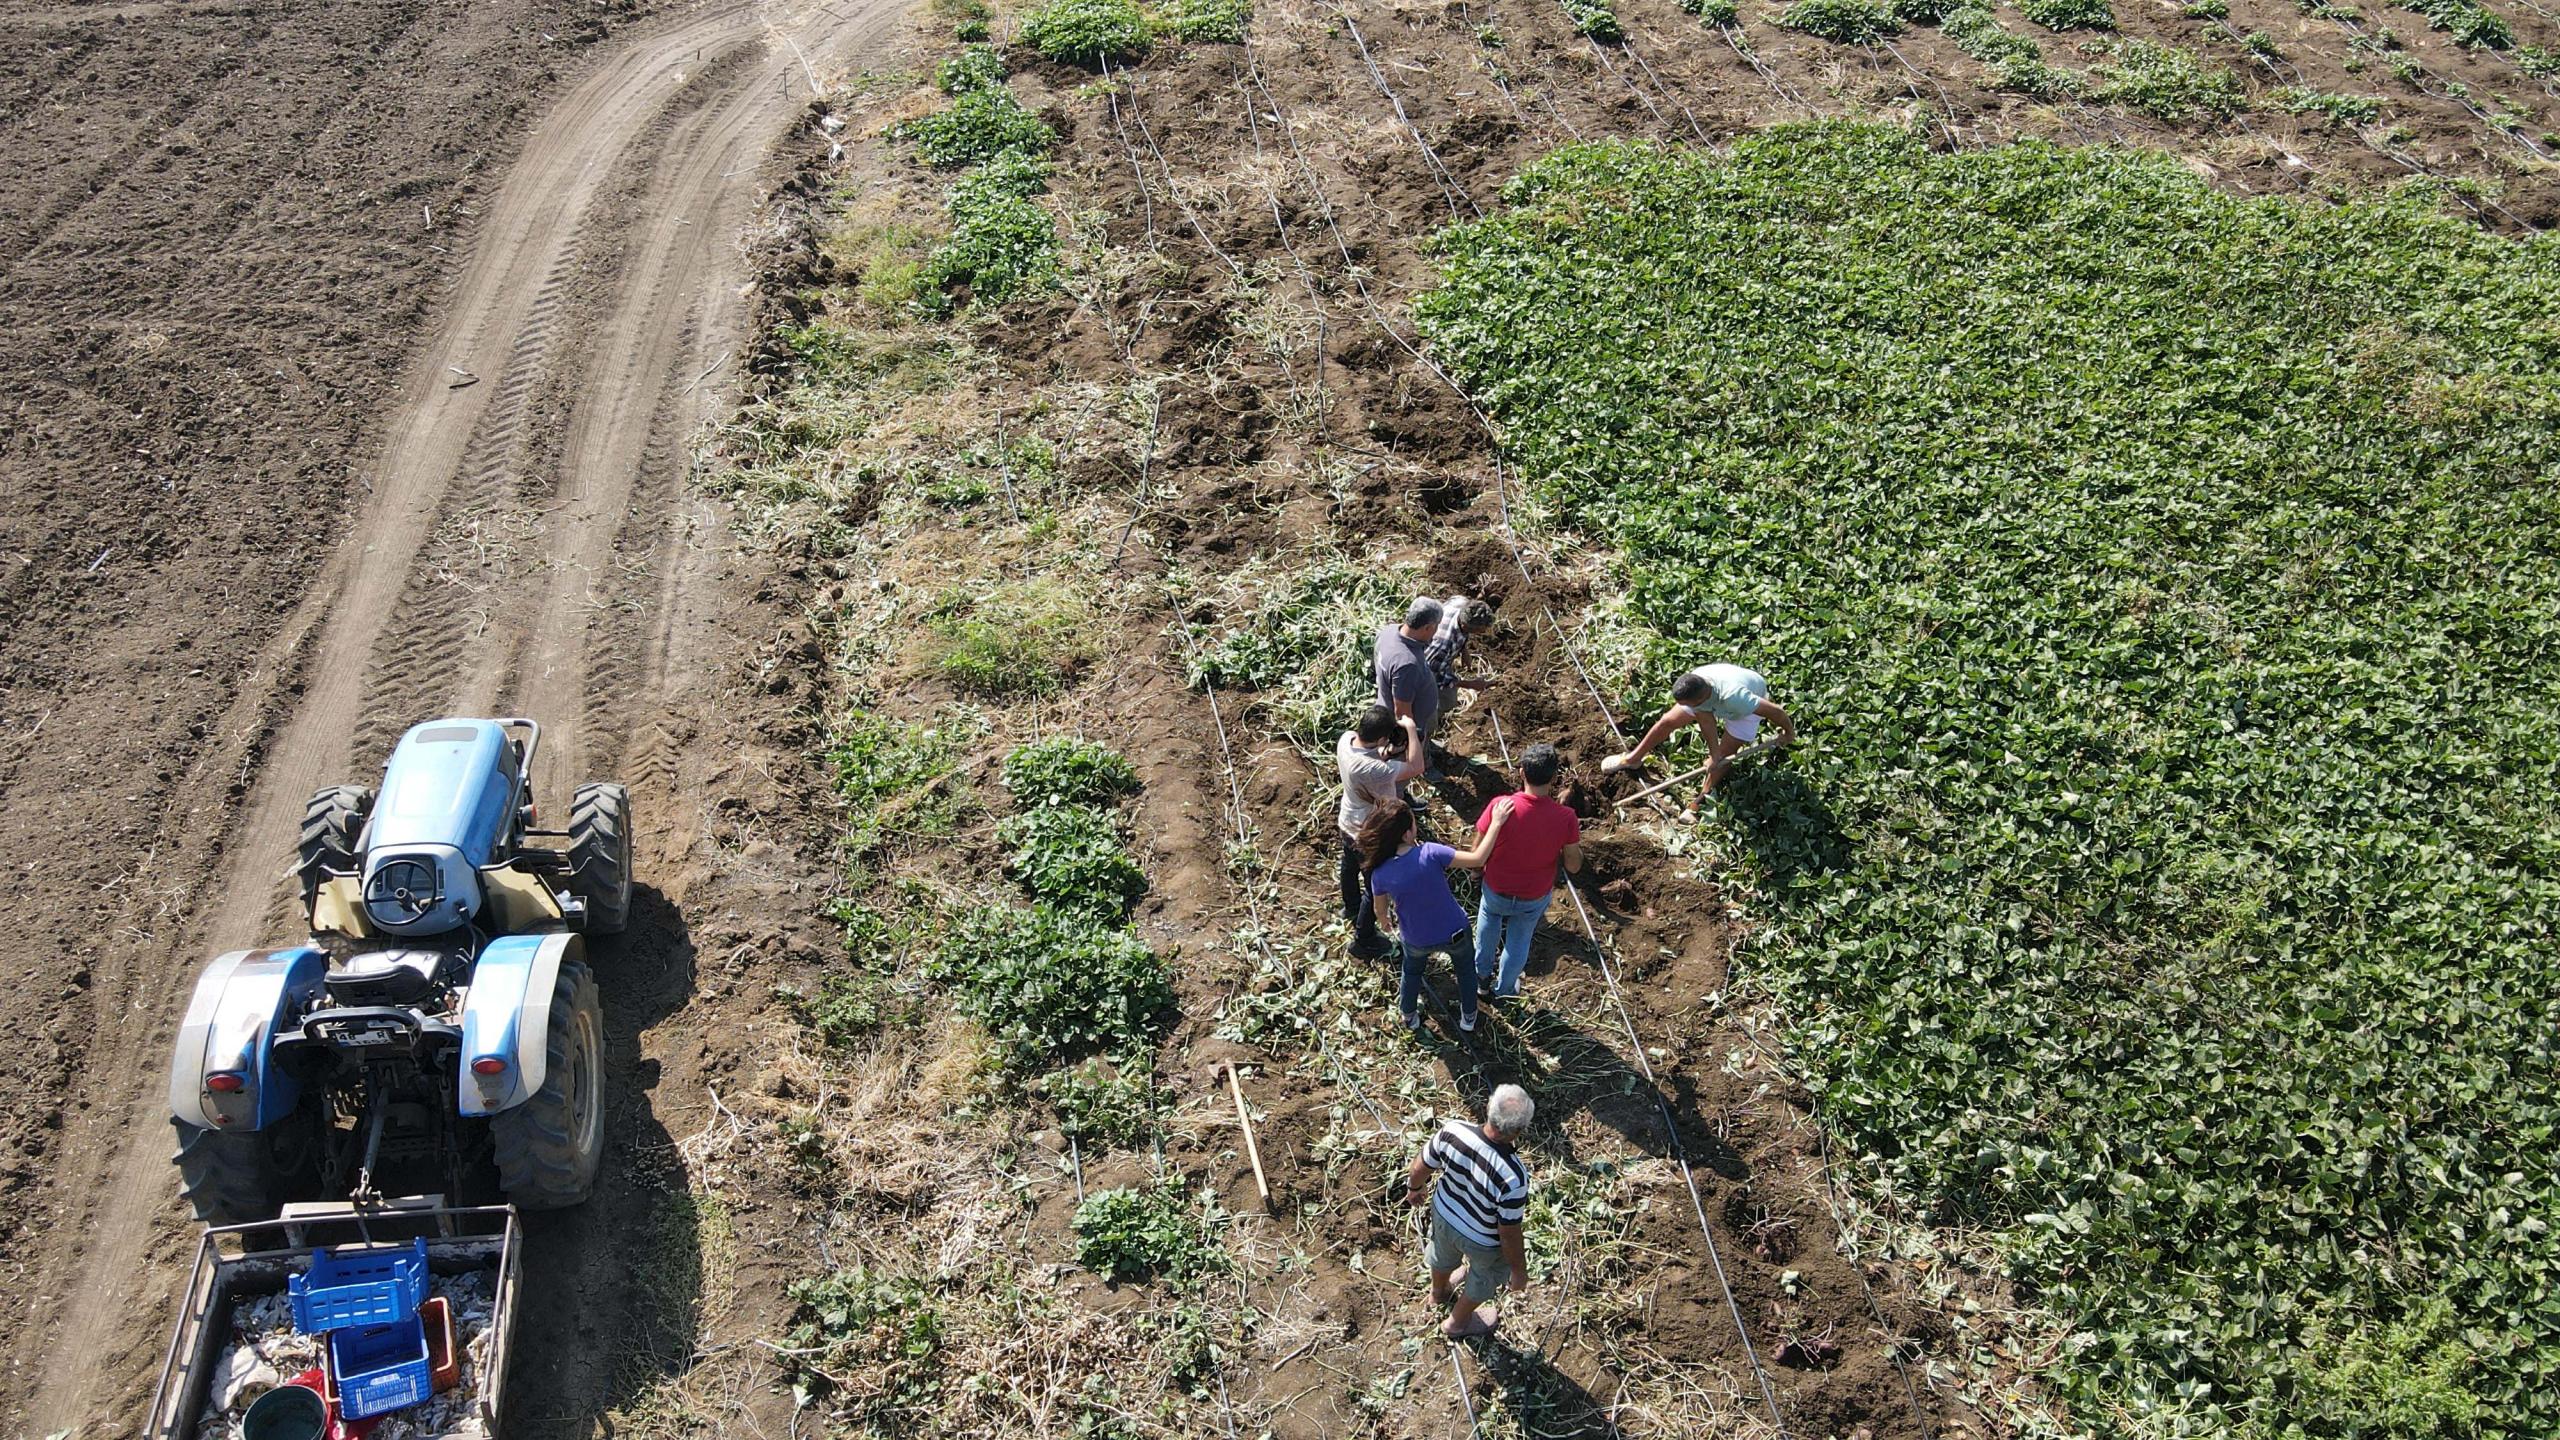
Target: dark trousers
1358	906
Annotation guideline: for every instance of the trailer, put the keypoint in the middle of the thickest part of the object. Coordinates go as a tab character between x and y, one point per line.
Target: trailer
242	1274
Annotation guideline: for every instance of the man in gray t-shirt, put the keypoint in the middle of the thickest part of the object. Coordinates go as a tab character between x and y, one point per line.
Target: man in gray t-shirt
1402	666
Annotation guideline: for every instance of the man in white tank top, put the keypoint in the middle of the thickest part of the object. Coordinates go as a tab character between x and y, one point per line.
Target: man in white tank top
1735	699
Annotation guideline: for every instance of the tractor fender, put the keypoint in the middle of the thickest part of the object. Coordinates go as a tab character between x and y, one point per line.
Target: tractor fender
241	1000
506	1015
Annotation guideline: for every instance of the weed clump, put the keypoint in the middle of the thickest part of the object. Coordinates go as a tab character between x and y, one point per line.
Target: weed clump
979	67
1062	770
1207	21
1101	1109
1070	857
861	1322
1010	639
2069	14
1306	642
1087	32
1843	22
1594	18
1051	986
2467	23
1159	1233
2340	109
2166	82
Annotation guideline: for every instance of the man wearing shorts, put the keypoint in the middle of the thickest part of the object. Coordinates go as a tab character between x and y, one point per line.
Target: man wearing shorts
1735	699
1476	1210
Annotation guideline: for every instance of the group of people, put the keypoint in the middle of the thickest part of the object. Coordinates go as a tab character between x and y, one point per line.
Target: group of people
1520	839
1471	1173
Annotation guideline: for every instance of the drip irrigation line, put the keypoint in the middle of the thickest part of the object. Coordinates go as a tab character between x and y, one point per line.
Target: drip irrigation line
1695	130
1732	33
1450	190
1601	55
1946	102
1670	1122
2448	90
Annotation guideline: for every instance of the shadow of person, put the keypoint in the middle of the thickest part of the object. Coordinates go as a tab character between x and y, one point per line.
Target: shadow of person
1569	1070
1543	1400
622	1274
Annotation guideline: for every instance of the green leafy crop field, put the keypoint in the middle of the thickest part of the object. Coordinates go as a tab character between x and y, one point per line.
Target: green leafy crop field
2169	584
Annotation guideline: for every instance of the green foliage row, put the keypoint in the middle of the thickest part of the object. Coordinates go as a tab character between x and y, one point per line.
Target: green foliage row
1070	857
1158	1233
978	67
1099	1107
2166	882
1712	12
2537	61
1003	243
1052	986
1088	32
979	125
2016	62
1062	770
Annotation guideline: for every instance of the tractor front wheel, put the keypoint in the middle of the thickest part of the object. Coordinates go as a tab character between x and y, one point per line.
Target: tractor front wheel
233	1177
600	855
548	1148
332	835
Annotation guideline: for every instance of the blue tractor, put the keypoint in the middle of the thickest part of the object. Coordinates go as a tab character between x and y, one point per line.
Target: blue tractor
441	1024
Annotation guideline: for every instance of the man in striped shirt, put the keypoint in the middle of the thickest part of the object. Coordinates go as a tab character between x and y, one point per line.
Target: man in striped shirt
1476	1209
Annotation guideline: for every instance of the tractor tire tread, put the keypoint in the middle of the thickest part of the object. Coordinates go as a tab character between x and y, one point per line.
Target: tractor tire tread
536	1143
332	835
231	1179
600	855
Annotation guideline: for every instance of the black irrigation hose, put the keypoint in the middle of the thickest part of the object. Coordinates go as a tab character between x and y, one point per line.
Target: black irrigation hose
1670	1122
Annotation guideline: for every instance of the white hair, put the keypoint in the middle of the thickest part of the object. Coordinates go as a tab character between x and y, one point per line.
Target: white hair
1509	1110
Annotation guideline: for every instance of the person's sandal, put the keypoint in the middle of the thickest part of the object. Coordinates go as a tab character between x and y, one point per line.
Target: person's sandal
1478	1325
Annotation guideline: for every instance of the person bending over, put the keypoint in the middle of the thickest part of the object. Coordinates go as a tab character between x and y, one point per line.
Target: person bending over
1735	700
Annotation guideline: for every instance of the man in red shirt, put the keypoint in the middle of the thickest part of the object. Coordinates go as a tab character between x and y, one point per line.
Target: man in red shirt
1520	875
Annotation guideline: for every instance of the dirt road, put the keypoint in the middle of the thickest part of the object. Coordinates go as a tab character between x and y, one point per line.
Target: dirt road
519	540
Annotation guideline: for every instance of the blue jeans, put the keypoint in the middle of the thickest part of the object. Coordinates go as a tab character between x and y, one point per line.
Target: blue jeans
1504	926
1409	993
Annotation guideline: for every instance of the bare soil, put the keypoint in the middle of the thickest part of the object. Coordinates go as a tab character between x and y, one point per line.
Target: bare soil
361	350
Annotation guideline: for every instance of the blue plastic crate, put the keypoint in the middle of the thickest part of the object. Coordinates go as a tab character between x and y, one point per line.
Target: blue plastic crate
379	1368
359	1287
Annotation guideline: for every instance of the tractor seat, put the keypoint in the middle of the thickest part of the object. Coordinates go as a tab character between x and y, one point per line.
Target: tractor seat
386	977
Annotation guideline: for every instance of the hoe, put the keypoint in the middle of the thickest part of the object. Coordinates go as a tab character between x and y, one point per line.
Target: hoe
441	1020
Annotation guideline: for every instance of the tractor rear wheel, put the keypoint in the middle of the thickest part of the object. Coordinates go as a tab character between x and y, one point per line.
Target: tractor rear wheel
233	1177
332	835
548	1148
600	855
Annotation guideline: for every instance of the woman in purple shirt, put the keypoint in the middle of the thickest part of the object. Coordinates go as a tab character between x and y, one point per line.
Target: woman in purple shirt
1412	874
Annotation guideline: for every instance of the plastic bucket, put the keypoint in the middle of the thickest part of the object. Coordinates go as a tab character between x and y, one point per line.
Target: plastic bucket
288	1412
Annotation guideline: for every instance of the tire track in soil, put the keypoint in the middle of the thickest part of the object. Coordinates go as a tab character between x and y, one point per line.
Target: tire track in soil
317	710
